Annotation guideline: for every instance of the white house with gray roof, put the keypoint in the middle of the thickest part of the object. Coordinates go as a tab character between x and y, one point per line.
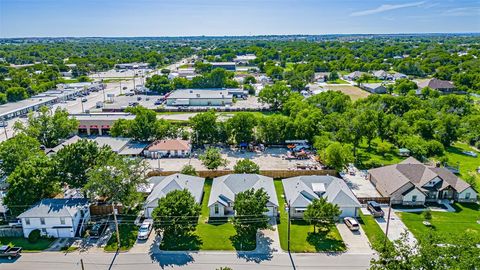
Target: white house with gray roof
300	191
225	188
56	217
162	185
413	183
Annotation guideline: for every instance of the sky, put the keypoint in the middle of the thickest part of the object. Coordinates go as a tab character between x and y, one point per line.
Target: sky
126	18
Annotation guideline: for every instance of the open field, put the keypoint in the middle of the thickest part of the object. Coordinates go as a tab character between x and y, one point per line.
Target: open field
354	92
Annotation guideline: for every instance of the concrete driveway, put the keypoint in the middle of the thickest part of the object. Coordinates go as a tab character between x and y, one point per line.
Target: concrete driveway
147	246
356	242
396	227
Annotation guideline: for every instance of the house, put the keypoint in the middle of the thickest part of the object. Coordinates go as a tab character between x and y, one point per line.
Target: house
56	217
244	59
300	191
374	88
168	148
439	85
57	148
199	97
321	76
412	183
381	74
231	66
397	76
162	185
121	146
354	75
225	188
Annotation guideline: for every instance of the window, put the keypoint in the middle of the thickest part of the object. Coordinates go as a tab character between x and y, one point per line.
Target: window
414	198
216	209
467	195
27	221
42	221
44	231
62	220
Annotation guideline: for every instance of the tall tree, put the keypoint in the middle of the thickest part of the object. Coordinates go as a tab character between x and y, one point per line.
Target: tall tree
275	95
212	158
241	127
250	207
246	166
337	156
204	128
189	170
322	214
48	128
16	150
33	180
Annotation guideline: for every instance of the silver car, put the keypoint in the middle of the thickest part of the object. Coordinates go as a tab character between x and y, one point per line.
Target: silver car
145	229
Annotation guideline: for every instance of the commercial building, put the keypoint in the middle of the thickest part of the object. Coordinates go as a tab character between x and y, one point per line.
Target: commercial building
200	97
99	123
132	66
231	66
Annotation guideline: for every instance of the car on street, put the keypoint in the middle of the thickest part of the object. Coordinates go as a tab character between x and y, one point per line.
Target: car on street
139	98
470	153
98	229
9	252
3	123
375	209
158	102
351	223
145	229
84	100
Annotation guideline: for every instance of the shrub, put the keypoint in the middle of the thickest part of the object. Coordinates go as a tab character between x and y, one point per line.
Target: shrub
427	215
34	236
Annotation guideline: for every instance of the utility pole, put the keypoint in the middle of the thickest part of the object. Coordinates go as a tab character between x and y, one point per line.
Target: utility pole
388	224
288	209
116	225
81	263
5	128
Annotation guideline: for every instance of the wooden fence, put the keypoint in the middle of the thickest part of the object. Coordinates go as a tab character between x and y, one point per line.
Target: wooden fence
11	232
104	209
270	173
381	200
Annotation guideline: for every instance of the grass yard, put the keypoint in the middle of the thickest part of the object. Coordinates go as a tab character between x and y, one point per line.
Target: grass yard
41	244
337	81
367	159
128	237
445	223
354	92
468	164
302	238
375	235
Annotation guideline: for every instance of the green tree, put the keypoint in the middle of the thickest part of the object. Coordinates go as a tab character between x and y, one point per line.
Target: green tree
241	127
204	128
275	95
16	93
159	83
121	128
176	214
320	213
333	76
246	166
48	128
212	158
250	207
337	156
117	180
16	150
73	161
145	126
33	180
189	170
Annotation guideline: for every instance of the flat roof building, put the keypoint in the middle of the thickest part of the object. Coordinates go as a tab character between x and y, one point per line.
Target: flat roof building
200	97
225	65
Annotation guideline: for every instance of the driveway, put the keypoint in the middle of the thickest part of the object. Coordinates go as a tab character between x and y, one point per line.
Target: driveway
147	246
356	242
396	228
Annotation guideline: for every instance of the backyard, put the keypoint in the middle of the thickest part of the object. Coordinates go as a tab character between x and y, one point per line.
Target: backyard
465	219
41	244
467	164
367	159
353	92
302	238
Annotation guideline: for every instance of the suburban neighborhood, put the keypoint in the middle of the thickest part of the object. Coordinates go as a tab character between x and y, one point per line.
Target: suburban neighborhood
206	143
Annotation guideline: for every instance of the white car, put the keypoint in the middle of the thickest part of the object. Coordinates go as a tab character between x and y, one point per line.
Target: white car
145	229
351	223
470	153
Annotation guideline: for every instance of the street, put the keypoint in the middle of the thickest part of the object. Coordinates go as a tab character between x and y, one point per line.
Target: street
187	260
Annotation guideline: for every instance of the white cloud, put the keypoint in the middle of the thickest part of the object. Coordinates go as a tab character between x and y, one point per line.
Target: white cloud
384	8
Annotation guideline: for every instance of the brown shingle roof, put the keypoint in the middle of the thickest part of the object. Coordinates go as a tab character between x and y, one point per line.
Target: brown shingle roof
165	145
436	84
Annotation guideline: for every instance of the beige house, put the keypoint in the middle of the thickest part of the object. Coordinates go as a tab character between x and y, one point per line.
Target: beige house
168	148
413	183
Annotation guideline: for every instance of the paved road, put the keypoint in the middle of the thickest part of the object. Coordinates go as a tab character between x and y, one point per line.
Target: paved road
181	260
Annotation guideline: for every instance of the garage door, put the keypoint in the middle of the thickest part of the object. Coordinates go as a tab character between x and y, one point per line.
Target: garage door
348	212
64	232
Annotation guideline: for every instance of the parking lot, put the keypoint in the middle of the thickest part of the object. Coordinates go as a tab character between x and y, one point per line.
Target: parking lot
270	159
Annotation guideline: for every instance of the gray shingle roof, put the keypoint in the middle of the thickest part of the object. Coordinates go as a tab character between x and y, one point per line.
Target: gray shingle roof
55	208
300	191
164	185
225	188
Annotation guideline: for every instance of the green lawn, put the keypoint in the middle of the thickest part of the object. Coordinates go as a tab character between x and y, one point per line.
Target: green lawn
337	81
445	223
468	164
128	237
302	238
375	235
211	234
41	244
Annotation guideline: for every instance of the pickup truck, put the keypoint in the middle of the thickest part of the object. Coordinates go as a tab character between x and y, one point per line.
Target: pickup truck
10	252
15	224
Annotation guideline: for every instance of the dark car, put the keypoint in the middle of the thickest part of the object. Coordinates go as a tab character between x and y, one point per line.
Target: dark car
375	209
10	252
98	229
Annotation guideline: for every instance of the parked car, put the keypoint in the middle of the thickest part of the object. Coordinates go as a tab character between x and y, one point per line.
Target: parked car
145	229
99	104
158	102
351	223
3	123
15	224
10	252
133	104
470	153
84	99
139	98
98	229
375	209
